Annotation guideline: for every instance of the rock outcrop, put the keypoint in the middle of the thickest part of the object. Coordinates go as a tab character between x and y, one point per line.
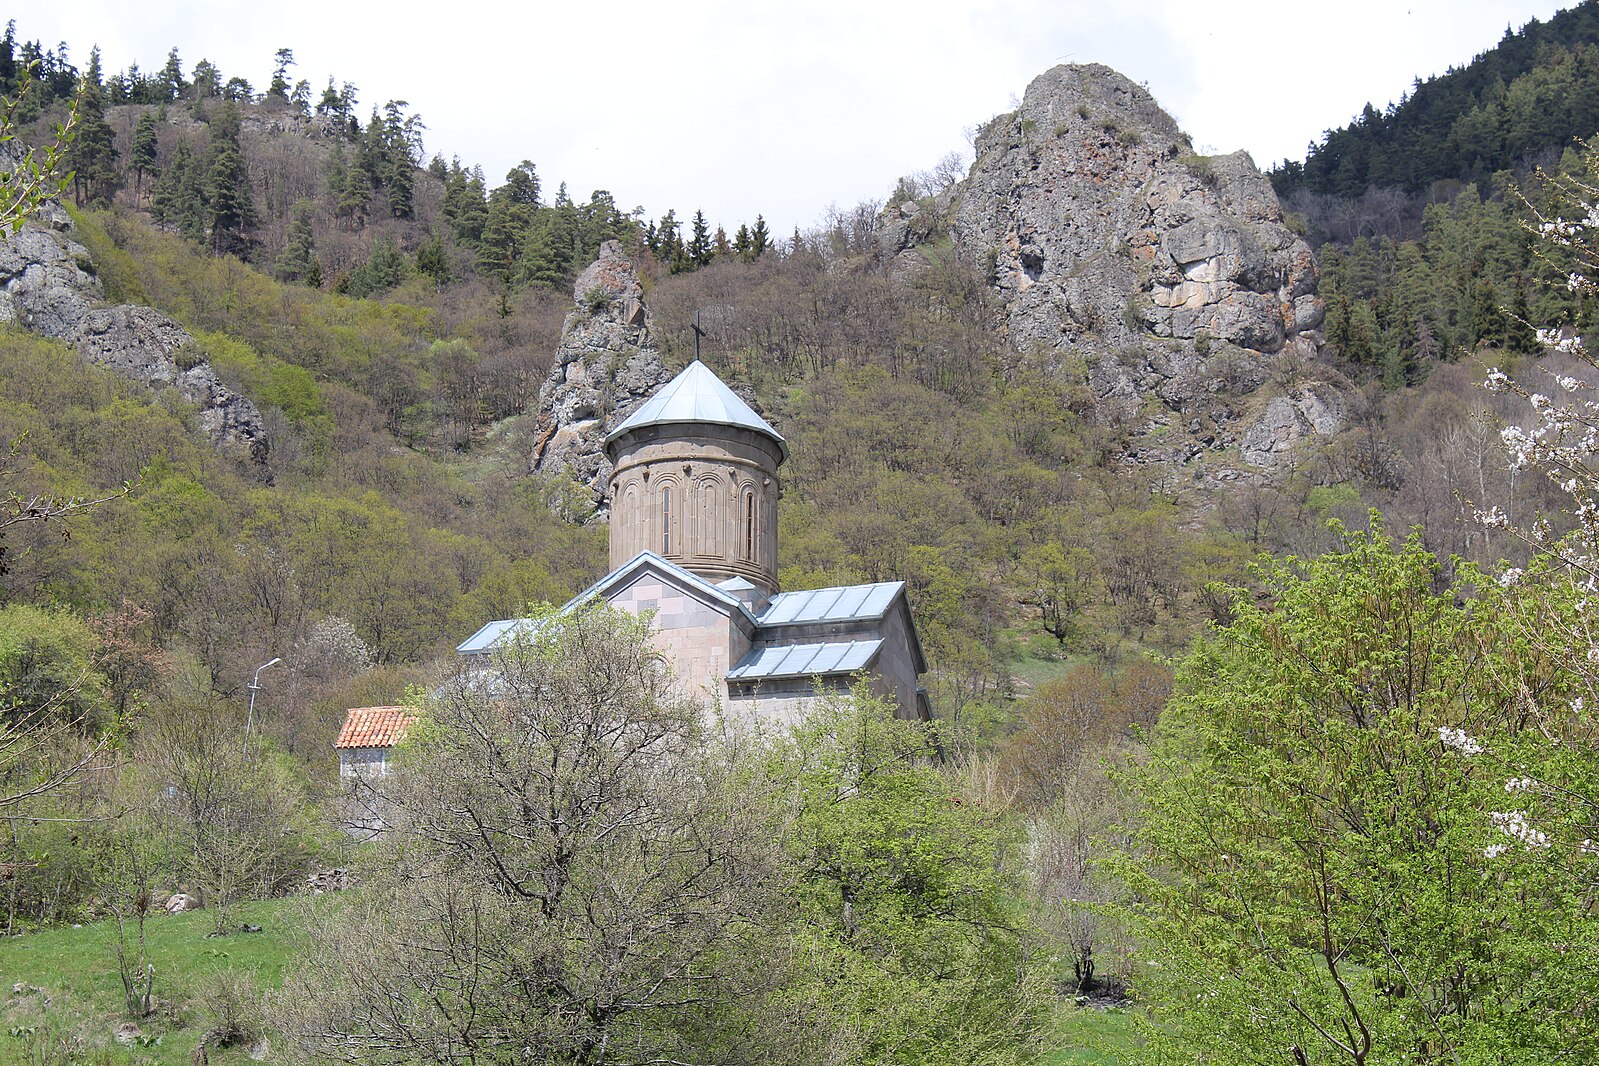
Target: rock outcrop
47	286
605	367
1173	275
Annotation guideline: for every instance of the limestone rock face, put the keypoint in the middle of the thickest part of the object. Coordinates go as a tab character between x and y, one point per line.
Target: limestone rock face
605	367
1173	275
46	286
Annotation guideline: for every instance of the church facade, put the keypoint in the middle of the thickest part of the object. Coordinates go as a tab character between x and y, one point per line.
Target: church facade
693	542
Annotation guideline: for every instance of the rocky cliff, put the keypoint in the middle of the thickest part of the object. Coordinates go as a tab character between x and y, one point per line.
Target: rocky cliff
605	367
47	287
1172	275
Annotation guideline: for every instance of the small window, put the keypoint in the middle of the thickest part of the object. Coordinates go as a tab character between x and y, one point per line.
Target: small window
666	521
749	526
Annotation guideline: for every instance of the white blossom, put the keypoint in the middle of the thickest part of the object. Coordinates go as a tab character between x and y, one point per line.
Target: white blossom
1510	577
1514	824
1493	851
1459	740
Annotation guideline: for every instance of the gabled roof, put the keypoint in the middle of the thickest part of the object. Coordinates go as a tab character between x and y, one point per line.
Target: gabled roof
848	603
374	727
494	632
696	395
805	660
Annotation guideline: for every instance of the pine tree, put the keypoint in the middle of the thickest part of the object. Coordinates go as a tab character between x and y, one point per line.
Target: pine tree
431	261
355	197
760	238
8	60
521	185
230	207
500	245
93	155
741	241
207	80
145	145
170	80
721	248
329	105
699	244
278	90
298	257
399	172
469	208
179	199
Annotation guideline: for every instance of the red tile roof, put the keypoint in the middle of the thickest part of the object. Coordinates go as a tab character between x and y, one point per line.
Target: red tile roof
374	727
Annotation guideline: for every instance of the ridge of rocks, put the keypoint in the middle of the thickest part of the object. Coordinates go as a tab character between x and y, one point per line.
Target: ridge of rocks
605	367
1173	275
46	288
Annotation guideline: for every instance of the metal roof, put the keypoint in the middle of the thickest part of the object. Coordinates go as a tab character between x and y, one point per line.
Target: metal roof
494	632
805	660
696	395
490	635
847	604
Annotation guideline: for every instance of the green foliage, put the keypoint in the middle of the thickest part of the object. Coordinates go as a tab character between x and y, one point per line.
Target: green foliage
48	668
1533	92
1309	873
909	943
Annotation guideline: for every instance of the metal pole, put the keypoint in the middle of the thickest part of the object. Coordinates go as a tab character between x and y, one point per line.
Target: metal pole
254	686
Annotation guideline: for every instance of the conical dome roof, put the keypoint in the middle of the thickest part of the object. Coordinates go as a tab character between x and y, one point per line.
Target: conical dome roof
696	395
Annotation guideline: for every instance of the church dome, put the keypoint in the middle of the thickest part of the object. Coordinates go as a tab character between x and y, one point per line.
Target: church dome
696	397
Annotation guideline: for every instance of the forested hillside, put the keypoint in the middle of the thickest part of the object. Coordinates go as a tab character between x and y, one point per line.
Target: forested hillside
1071	514
1515	105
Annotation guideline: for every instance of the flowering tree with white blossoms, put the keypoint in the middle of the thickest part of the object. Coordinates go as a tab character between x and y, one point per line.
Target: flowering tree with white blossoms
1551	768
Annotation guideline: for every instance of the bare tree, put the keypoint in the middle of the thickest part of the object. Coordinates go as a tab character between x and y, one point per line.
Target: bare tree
572	875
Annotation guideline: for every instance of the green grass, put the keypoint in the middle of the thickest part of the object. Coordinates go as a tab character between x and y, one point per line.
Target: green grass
1092	1037
79	1002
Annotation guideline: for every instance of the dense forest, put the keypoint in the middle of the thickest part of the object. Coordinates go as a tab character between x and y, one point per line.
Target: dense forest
1149	690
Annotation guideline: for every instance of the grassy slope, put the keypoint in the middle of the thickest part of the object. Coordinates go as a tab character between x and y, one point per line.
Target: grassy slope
80	1000
80	1003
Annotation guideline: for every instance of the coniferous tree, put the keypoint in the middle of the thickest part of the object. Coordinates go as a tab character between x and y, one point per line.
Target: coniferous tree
741	241
93	155
278	90
760	237
330	106
699	244
179	200
144	157
356	195
720	248
230	205
431	260
298	257
500	245
471	211
170	81
207	80
8	60
300	98
521	185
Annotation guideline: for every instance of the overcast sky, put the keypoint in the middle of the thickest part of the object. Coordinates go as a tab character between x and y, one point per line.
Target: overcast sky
746	106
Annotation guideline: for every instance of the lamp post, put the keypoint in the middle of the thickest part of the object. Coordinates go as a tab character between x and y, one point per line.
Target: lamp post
255	686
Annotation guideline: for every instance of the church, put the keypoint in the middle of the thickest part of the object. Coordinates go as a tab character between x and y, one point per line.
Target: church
693	541
693	501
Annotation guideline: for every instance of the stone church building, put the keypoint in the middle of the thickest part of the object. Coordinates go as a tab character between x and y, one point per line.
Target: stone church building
693	530
693	538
